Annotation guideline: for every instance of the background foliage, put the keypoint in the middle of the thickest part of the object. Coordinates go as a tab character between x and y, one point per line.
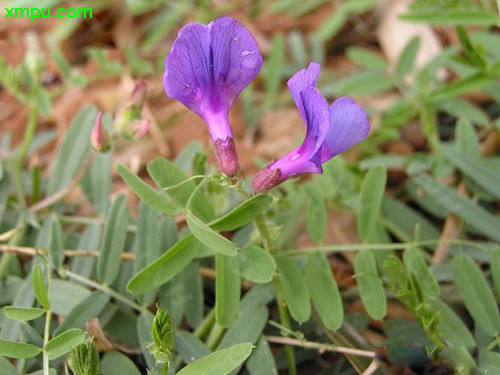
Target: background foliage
393	251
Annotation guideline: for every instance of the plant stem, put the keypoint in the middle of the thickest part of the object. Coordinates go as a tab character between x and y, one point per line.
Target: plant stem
260	221
106	289
46	333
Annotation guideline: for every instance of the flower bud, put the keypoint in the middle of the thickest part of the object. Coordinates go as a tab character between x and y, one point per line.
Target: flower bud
141	128
131	109
163	337
99	138
84	359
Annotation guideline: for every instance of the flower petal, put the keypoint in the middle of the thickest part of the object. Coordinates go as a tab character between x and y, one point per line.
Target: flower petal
187	67
300	81
235	56
317	120
348	126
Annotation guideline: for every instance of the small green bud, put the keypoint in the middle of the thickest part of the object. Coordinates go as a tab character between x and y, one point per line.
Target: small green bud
131	110
163	337
84	359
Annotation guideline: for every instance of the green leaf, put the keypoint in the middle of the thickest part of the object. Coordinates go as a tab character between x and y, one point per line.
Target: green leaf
227	289
406	59
113	242
39	287
415	263
73	151
473	82
451	18
262	359
56	244
22	313
65	295
209	237
495	268
294	288
165	267
193	293
324	291
116	363
477	171
316	214
364	83
7	368
372	193
476	294
18	349
88	308
222	362
477	217
189	347
64	342
247	328
451	327
173	180
257	265
366	58
146	193
466	140
370	286
242	215
97	182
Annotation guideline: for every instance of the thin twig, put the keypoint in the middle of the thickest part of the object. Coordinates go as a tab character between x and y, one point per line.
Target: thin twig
372	368
320	347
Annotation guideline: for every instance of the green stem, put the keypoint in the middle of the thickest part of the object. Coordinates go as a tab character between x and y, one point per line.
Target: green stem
206	325
260	221
106	289
28	134
46	333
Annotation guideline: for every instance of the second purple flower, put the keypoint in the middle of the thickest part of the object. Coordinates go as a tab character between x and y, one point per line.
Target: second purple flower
206	70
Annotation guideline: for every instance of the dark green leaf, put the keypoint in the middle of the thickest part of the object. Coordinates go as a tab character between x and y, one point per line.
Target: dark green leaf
247	328
108	264
56	244
316	214
477	171
74	148
190	347
370	286
262	359
256	264
324	292
478	218
476	294
294	288
89	308
227	289
454	331
116	363
372	192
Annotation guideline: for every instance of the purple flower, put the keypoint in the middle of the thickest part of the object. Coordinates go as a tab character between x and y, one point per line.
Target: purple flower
206	69
330	131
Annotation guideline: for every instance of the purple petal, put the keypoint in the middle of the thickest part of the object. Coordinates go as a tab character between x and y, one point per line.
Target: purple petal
317	120
348	126
187	67
236	57
300	81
